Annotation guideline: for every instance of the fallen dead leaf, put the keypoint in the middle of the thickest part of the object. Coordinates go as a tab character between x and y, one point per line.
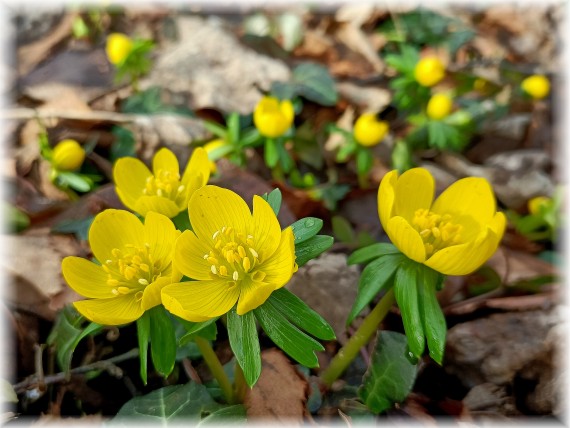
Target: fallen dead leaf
280	394
515	266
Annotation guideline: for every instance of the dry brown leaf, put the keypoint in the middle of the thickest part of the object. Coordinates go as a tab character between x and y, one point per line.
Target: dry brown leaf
336	139
515	266
353	37
280	393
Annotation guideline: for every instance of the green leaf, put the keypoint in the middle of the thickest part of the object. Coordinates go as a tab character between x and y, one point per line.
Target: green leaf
390	376
297	311
311	248
271	154
168	406
227	415
162	340
274	199
402	156
80	227
143	333
342	230
16	219
289	338
364	161
75	181
216	129
233	127
206	329
67	333
406	293
315	83
306	228
182	221
371	252
433	320
283	90
124	144
375	277
245	344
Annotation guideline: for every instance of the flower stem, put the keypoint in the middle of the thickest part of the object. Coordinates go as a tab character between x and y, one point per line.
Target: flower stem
360	338
216	368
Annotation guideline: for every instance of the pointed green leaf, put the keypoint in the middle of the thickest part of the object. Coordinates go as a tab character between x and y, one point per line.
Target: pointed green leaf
216	129
162	340
233	127
75	181
205	329
433	320
342	230
245	344
143	333
364	255
297	311
391	374
375	277
274	199
311	248
406	293
306	228
169	406
314	82
289	338
271	154
364	161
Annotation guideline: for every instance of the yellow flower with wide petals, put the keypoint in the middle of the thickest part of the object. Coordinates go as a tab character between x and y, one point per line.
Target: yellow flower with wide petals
136	263
68	155
161	190
537	86
210	147
368	130
439	106
429	71
455	234
234	256
272	117
118	47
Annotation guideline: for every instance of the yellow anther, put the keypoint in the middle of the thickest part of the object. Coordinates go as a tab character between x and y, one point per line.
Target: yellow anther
137	260
109	261
230	257
116	252
237	257
215	235
229	230
112	282
159	192
223	270
144	267
235	276
218	245
241	251
206	256
249	242
115	291
213	260
130	272
258	276
246	264
436	232
254	253
180	189
124	290
425	233
223	229
213	269
143	281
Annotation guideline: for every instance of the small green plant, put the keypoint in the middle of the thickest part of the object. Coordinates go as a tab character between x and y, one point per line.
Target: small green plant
129	56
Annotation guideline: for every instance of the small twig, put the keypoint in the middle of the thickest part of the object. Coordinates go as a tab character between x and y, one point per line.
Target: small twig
107	365
191	371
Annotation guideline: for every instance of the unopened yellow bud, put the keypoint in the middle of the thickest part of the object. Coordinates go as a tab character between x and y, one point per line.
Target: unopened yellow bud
118	47
68	155
537	86
210	147
439	106
368	130
536	204
272	117
429	71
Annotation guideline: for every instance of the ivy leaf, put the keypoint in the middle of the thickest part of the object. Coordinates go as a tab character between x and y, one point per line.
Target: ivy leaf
290	339
245	344
390	376
311	248
297	311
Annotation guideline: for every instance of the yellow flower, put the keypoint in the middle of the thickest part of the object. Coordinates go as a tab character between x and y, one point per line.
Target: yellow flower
136	262
273	117
535	204
439	106
455	234
118	47
67	155
210	147
429	71
368	130
537	86
232	255
163	190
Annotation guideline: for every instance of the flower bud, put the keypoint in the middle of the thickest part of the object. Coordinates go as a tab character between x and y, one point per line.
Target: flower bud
537	86
118	47
439	106
272	117
211	146
68	155
535	204
429	71
368	130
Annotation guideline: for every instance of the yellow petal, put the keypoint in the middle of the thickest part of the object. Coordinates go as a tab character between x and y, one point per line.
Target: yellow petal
288	111
115	311
470	198
211	208
165	160
386	197
406	239
151	294
266	230
189	256
160	233
114	229
279	267
130	176
253	294
198	166
200	300
414	190
158	204
498	224
86	278
465	258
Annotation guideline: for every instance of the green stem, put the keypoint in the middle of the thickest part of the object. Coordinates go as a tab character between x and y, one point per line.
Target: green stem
215	367
360	338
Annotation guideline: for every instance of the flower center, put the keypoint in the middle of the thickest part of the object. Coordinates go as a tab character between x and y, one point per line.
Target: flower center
437	231
131	269
233	256
166	184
